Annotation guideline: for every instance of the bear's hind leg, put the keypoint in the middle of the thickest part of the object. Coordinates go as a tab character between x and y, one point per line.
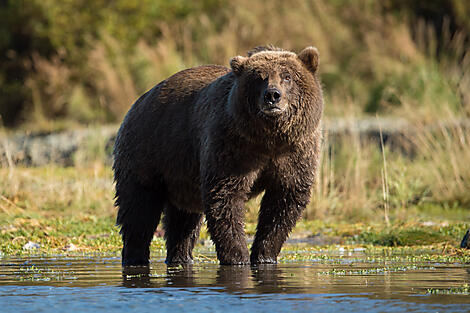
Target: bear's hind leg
140	209
181	233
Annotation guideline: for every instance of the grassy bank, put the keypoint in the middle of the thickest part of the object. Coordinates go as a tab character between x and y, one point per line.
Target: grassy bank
368	193
364	197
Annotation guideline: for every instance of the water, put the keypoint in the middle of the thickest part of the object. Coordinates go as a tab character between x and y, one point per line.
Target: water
351	284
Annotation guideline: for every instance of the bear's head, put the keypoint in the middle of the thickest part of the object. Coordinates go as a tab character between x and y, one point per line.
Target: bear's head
275	85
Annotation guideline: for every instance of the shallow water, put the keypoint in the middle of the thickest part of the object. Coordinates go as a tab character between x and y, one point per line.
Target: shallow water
339	283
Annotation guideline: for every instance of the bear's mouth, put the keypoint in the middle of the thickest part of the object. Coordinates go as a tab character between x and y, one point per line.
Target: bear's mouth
272	110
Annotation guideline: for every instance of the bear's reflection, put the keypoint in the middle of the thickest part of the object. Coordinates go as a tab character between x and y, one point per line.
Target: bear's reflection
136	276
234	278
182	276
262	278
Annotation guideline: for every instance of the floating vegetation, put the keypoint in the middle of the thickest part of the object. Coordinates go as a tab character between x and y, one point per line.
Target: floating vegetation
374	254
34	273
376	271
460	290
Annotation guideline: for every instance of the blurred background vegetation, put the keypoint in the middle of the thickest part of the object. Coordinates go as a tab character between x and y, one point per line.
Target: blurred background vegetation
79	63
76	62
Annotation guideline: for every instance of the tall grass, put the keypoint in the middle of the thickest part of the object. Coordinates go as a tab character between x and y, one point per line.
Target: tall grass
51	191
371	61
431	173
442	158
361	180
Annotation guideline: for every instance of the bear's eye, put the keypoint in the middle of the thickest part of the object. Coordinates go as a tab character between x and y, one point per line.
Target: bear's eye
286	77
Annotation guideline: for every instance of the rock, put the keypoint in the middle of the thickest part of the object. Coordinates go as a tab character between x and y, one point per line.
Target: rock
31	246
159	233
71	247
59	148
207	243
62	148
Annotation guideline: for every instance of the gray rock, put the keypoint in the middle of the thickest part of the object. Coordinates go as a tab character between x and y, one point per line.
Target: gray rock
69	147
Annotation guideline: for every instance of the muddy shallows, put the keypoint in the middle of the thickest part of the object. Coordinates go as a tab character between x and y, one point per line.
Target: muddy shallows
352	282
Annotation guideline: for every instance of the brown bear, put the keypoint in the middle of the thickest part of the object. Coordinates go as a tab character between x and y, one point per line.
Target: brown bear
205	140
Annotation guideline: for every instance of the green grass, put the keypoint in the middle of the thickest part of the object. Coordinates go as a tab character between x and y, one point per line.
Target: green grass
414	236
60	235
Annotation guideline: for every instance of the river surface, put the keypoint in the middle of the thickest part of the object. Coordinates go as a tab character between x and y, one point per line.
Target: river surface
339	283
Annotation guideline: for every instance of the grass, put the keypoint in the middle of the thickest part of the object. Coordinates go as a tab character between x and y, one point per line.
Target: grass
70	210
362	180
376	62
56	207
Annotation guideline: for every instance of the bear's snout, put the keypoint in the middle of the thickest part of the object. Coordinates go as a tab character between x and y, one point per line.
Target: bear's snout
271	101
272	96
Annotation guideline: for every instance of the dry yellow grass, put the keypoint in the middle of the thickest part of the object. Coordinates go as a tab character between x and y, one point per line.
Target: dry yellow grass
369	61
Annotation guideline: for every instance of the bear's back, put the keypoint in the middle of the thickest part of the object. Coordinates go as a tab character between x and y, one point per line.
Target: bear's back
191	81
164	120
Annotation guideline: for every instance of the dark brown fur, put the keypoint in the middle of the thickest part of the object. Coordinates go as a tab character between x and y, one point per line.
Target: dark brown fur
203	142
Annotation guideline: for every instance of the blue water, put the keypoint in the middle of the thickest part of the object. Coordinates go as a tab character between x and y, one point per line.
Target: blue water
98	284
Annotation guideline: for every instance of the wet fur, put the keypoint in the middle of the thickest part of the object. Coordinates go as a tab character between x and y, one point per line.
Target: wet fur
195	145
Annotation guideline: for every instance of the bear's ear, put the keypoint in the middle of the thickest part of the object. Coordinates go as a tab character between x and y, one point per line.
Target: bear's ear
236	63
310	58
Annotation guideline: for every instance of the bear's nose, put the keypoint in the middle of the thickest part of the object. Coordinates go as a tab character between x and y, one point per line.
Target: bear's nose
272	96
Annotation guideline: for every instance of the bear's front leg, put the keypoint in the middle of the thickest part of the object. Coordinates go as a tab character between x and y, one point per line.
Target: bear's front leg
224	201
281	207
